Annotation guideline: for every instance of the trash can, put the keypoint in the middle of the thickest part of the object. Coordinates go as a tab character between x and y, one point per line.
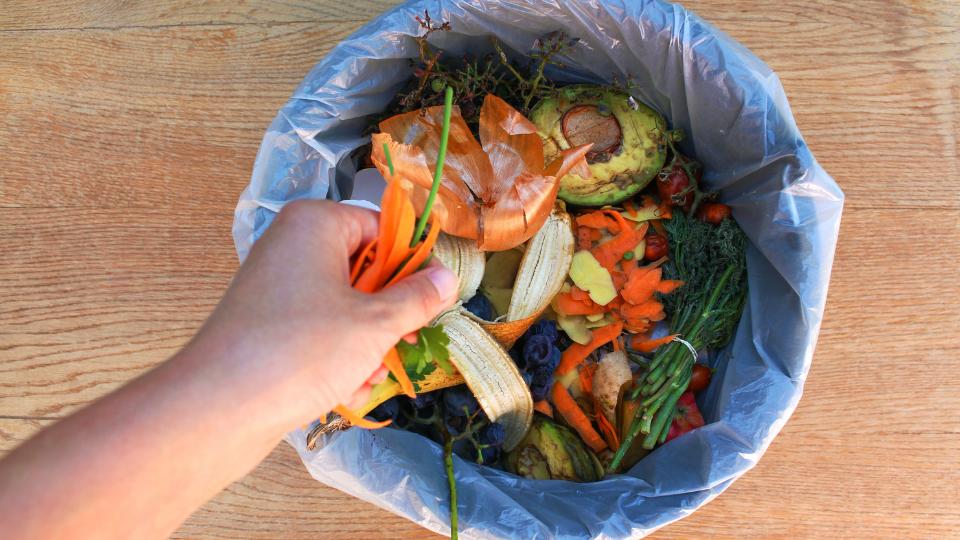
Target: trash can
738	124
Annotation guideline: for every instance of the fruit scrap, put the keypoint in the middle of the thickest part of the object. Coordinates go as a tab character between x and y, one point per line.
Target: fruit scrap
498	190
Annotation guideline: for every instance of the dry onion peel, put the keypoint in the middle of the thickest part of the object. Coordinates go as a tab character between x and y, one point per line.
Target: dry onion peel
496	191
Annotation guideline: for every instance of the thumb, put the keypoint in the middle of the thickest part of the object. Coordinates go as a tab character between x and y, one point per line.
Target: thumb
417	299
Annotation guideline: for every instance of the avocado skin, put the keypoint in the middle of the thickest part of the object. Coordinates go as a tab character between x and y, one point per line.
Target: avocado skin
553	451
617	175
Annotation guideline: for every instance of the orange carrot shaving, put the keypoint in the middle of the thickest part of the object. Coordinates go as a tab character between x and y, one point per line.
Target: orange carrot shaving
637	326
609	253
580	295
419	255
644	345
586	378
641	285
577	353
598	220
393	362
357	420
363	258
650	310
578	420
667	286
544	407
607	430
584	238
400	250
619	279
566	305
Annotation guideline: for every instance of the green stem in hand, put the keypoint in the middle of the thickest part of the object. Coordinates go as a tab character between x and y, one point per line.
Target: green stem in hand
386	154
438	172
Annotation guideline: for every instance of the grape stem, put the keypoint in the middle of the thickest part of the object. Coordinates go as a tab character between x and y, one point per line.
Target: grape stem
451	482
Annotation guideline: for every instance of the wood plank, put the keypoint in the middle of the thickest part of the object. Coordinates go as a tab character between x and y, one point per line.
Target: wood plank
279	499
221	87
167	117
90	298
109	14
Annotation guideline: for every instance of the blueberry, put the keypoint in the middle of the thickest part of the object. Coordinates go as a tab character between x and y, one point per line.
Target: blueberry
480	306
460	401
493	434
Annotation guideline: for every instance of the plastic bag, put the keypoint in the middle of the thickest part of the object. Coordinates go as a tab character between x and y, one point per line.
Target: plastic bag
739	125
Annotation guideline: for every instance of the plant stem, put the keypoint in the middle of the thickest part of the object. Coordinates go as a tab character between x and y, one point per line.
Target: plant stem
438	172
386	154
452	483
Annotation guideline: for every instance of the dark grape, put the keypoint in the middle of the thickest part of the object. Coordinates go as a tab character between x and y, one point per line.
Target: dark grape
489	455
480	306
460	401
465	449
423	401
536	351
454	424
554	360
389	409
493	434
542	381
546	328
527	377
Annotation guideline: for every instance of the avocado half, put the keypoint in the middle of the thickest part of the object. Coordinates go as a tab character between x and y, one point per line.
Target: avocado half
628	141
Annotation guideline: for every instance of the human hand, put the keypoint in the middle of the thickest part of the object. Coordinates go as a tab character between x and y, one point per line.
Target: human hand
291	326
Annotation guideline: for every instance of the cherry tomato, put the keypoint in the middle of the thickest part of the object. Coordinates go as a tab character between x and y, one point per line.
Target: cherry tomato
700	379
672	181
657	247
688	417
714	212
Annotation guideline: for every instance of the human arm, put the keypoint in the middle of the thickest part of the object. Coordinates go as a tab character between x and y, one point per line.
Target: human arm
289	340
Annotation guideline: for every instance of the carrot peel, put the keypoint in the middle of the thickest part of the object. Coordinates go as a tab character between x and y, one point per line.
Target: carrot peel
574	415
357	420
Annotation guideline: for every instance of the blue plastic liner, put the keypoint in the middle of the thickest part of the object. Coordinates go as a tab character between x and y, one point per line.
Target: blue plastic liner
738	122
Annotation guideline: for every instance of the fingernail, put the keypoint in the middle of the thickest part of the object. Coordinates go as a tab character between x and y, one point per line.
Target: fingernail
444	281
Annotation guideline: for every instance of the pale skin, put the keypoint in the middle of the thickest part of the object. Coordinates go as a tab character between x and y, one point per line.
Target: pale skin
289	340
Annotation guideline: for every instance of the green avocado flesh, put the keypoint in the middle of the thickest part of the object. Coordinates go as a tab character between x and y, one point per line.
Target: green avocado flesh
628	141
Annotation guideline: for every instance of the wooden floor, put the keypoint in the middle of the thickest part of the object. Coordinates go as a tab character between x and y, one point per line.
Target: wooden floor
128	130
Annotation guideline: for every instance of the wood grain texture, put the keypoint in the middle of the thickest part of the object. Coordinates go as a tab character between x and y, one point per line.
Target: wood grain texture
129	128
